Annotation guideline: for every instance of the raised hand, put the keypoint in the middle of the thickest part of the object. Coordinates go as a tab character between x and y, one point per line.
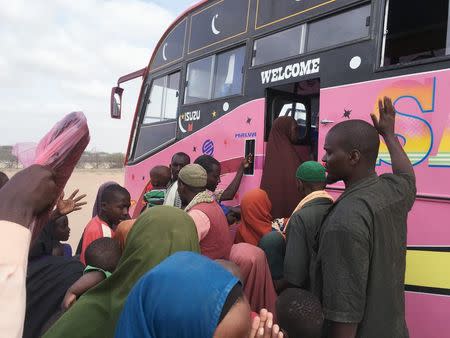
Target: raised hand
262	326
385	124
65	207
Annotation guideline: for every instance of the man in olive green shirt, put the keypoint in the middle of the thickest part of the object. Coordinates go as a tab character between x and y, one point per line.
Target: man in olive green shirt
360	263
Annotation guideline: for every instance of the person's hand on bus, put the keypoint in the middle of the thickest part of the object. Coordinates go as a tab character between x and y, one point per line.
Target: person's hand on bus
263	327
247	161
27	194
65	207
385	124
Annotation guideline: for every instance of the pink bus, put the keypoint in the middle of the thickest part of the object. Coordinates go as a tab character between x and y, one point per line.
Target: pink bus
224	70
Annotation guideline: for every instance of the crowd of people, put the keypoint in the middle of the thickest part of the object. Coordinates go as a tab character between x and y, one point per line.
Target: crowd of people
289	261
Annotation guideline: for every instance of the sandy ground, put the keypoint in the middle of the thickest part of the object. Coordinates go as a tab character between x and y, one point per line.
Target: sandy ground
88	181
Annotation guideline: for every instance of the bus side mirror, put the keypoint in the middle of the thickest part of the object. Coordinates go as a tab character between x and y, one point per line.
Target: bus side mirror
116	102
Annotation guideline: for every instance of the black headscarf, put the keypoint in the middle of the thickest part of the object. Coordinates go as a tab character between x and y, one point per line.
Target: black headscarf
45	243
48	279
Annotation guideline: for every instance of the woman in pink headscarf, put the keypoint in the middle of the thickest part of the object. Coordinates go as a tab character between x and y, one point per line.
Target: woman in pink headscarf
255	273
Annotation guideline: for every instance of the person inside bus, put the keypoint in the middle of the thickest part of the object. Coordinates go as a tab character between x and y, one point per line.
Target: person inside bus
212	226
3	179
283	154
179	160
359	269
114	209
299	314
159	178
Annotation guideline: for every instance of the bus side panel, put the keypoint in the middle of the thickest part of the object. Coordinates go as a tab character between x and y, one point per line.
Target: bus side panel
423	126
224	139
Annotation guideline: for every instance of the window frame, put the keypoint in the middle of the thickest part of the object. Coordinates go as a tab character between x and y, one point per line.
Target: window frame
378	68
305	34
164	98
213	77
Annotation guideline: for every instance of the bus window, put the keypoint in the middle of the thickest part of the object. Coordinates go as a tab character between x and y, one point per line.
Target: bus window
224	70
171	104
278	46
163	101
414	30
229	73
199	80
339	28
154	109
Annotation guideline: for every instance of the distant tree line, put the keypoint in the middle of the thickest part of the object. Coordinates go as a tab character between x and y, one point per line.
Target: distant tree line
89	160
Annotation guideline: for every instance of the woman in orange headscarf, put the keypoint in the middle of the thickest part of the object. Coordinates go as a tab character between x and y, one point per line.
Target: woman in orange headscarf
256	217
122	231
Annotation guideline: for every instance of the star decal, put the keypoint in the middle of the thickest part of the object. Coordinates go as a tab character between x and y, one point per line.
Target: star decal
194	149
214	114
347	113
249	120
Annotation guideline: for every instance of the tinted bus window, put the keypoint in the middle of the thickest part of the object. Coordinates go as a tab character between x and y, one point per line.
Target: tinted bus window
163	101
415	31
153	112
227	76
278	46
199	80
340	28
229	73
171	104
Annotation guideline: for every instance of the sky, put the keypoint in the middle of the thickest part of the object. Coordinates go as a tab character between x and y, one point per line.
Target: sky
59	56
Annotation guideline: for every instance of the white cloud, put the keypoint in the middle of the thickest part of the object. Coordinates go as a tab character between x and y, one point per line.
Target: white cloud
59	56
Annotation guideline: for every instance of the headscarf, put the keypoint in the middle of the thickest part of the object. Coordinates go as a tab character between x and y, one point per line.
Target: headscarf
281	162
158	233
255	274
45	243
60	150
122	231
256	217
48	280
182	297
97	208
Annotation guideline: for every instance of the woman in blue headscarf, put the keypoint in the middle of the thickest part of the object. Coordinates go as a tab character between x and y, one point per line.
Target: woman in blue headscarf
187	295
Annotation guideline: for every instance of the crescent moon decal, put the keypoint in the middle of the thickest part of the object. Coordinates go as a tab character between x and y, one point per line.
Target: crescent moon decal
164	52
213	25
181	126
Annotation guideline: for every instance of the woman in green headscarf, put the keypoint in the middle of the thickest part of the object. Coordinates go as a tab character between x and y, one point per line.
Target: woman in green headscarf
157	233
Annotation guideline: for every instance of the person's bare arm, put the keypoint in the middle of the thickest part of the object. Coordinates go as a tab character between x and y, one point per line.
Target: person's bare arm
27	194
86	282
342	330
385	126
232	189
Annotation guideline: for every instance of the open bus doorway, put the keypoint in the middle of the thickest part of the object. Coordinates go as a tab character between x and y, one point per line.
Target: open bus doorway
299	100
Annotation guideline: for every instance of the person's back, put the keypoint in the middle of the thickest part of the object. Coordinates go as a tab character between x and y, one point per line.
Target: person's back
373	213
217	242
300	239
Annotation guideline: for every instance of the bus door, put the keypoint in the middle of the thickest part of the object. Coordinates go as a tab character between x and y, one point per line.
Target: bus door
299	100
